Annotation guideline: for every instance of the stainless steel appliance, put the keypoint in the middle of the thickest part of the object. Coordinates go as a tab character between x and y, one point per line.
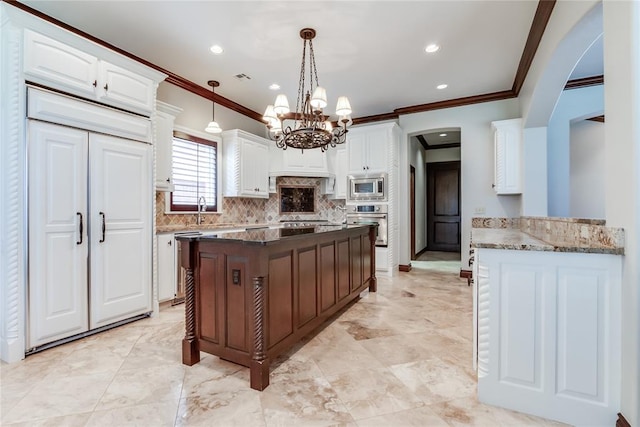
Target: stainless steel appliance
368	188
370	214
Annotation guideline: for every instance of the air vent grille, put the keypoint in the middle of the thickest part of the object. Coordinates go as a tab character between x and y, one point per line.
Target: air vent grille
242	76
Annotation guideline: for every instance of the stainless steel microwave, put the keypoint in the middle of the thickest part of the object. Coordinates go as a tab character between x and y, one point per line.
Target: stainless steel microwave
368	188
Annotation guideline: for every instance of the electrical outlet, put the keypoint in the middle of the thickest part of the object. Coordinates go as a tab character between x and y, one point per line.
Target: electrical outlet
480	210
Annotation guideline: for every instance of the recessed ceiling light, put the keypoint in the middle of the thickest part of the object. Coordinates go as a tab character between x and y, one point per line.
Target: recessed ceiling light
216	49
443	134
442	86
432	48
274	86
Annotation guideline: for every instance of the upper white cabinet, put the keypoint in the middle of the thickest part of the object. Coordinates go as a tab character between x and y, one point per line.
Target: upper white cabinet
66	68
246	165
507	135
368	149
163	123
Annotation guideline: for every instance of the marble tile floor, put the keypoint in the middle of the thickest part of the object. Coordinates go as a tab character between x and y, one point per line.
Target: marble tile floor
398	357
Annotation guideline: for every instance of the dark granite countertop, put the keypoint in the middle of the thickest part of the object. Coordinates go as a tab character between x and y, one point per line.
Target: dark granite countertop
267	234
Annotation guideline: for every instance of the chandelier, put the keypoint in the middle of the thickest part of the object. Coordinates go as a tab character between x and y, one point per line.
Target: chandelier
307	127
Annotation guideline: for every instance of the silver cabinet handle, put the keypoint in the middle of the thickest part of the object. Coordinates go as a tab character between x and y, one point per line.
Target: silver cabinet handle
103	227
80	228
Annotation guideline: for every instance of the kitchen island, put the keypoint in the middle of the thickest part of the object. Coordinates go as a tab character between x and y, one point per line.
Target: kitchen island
252	295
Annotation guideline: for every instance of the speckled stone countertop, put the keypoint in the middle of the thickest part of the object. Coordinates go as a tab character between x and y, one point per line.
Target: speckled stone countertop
547	234
506	238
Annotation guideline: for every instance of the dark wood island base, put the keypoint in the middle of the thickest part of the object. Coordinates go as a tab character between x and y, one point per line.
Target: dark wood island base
251	296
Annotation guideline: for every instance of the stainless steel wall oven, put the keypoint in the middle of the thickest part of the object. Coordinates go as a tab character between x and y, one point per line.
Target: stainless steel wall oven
370	214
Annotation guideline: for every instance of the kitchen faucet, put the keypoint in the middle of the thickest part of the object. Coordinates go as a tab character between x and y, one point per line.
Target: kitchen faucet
202	206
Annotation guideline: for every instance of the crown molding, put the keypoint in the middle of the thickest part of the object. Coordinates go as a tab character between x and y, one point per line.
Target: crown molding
538	26
584	82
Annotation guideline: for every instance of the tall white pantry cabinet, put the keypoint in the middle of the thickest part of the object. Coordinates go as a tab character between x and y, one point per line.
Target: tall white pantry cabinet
76	184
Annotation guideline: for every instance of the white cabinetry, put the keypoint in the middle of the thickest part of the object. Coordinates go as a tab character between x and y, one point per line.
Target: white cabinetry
166	267
294	162
163	123
89	206
246	165
368	149
337	159
507	136
549	333
60	66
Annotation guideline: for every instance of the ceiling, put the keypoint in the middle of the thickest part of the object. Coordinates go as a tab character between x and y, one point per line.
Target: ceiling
371	51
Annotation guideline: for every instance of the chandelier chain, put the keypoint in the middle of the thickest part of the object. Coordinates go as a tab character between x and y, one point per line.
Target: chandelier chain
313	64
301	81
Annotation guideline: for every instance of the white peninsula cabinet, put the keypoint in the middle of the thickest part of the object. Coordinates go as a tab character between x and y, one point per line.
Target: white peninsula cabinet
548	333
246	165
56	64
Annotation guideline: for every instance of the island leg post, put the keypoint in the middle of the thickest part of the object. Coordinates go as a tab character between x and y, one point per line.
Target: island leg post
259	365
373	282
190	347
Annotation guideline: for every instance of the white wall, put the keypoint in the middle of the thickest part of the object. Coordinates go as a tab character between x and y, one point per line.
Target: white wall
443	155
622	169
417	160
587	180
474	122
196	111
556	56
573	105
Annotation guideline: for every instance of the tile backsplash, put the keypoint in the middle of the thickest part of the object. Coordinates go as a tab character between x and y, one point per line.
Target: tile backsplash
240	210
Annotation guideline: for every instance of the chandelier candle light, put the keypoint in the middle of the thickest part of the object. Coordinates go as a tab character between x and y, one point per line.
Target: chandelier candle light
213	126
310	127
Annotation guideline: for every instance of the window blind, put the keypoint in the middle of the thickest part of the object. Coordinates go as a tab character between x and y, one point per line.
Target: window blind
194	174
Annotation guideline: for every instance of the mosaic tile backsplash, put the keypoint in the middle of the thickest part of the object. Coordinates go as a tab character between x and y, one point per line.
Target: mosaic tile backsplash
240	210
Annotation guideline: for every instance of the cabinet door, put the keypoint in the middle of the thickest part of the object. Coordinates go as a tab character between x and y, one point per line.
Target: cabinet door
125	88
376	149
507	142
356	144
341	174
49	61
58	244
120	205
164	160
255	169
166	267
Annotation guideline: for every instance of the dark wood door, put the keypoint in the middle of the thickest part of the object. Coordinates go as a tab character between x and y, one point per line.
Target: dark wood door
443	206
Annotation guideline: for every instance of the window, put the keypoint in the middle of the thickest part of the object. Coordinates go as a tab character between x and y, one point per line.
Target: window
194	173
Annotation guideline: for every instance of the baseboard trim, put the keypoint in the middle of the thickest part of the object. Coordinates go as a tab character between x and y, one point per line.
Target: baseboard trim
421	252
466	274
404	267
622	421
